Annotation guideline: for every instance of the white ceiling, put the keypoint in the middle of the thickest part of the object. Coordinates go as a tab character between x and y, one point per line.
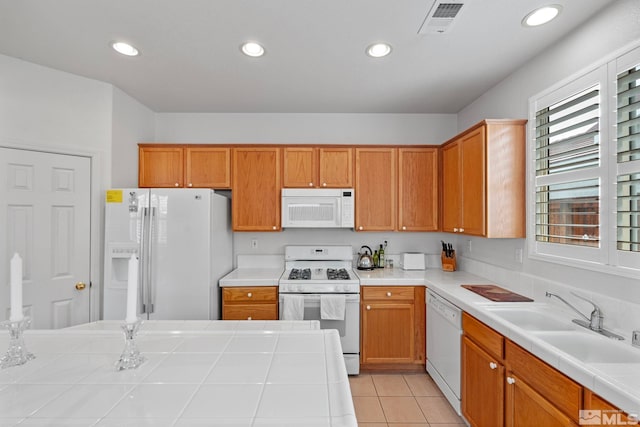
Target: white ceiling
314	62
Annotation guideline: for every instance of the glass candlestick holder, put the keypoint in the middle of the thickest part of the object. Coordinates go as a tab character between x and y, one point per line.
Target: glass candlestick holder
130	357
17	353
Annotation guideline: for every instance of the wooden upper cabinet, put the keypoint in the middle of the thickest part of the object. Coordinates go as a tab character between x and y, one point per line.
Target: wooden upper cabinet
376	189
417	189
299	167
208	167
256	189
161	167
483	180
335	167
323	167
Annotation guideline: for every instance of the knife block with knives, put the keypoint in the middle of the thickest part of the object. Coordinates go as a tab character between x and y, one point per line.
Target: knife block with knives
448	257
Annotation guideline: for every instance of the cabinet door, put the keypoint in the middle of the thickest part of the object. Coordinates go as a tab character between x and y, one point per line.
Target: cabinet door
387	332
335	167
482	386
208	167
526	408
299	167
473	183
451	187
256	189
609	414
375	189
417	189
160	167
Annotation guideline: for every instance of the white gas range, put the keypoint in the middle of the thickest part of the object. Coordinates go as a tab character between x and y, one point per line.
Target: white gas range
317	275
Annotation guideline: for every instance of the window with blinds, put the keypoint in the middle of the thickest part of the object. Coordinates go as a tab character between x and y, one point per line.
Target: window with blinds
567	142
628	157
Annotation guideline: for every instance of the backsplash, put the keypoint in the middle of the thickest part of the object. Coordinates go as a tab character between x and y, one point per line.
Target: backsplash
619	315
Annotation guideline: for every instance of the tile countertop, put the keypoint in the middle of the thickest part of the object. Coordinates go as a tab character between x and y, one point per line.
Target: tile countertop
252	277
213	378
205	325
619	383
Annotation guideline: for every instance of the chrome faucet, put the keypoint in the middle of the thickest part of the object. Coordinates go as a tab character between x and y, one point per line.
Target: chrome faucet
594	322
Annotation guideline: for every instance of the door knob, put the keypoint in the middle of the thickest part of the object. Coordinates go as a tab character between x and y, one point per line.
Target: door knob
80	286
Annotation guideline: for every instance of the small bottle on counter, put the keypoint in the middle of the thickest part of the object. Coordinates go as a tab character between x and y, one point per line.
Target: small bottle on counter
381	257
375	259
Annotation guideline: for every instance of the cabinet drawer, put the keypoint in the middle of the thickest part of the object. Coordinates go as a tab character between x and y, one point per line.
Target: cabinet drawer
491	340
565	394
250	312
250	294
395	293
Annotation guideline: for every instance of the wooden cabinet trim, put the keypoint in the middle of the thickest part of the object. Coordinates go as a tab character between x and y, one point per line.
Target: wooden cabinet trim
490	340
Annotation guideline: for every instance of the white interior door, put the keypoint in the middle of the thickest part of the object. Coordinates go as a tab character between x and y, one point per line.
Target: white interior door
45	217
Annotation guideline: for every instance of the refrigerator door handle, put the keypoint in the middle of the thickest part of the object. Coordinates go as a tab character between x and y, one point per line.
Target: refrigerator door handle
152	226
142	257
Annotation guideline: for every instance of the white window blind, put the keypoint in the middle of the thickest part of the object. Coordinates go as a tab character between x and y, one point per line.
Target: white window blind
628	157
567	142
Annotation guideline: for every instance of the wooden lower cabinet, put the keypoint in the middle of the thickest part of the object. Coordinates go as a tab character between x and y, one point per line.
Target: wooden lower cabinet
505	385
392	327
526	407
250	303
482	386
609	414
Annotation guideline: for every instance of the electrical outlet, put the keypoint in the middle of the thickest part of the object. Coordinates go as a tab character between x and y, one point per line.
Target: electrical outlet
635	338
518	255
254	243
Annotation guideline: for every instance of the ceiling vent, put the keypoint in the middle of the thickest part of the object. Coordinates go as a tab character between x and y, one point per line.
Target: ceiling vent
441	17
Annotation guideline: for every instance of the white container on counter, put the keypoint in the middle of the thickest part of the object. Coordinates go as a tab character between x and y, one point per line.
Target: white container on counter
412	261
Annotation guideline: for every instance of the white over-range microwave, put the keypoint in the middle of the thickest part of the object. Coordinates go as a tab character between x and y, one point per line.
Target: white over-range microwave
318	207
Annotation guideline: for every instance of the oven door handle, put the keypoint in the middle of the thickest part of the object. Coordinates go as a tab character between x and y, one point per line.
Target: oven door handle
314	299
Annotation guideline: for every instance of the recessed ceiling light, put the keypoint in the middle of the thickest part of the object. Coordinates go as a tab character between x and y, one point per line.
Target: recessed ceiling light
378	50
125	48
541	15
252	49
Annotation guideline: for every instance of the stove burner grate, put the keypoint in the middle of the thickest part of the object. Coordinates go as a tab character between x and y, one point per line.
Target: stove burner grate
339	274
300	274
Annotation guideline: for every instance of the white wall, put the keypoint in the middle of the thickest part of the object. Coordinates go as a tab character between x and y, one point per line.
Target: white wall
306	128
612	29
132	123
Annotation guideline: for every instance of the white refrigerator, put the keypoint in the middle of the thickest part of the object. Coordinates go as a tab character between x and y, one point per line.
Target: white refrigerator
184	243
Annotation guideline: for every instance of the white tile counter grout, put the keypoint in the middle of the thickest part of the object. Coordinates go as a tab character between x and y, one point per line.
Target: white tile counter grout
191	377
618	383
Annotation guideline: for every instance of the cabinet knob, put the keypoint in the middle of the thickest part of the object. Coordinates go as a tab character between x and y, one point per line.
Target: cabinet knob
274	227
360	228
324	184
462	230
249	294
404	227
311	184
177	184
455	230
249	318
388	294
368	307
510	380
493	365
190	184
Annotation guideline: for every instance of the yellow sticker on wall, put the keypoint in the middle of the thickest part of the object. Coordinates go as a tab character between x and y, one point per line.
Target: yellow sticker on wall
114	196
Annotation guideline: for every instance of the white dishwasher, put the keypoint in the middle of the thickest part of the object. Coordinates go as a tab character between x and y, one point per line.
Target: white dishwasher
444	330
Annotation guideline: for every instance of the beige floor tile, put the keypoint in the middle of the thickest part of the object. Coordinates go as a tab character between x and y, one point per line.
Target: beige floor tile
391	385
401	409
362	385
437	410
409	425
368	409
422	385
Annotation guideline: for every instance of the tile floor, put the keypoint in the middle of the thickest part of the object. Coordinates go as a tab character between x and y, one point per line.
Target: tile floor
400	400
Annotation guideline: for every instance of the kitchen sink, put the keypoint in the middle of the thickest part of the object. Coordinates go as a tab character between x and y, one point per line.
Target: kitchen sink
590	348
532	318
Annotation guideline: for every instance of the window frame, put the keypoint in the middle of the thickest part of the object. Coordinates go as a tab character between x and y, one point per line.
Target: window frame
605	258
